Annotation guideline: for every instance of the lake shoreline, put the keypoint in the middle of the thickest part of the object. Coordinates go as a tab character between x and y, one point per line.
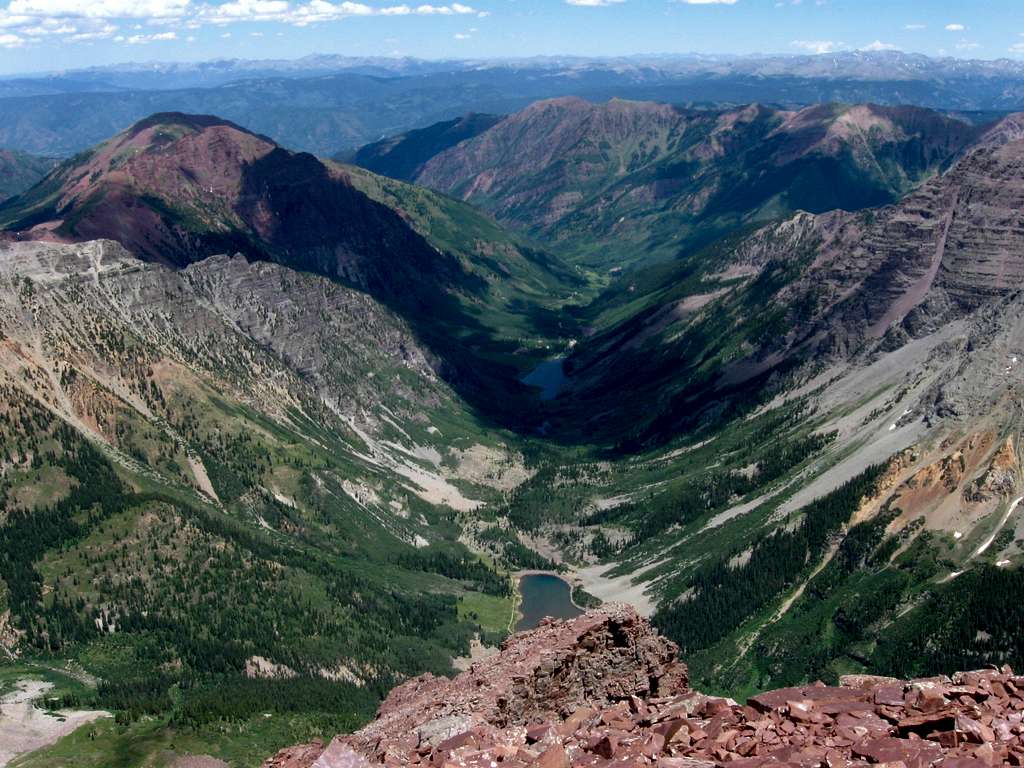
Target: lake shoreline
573	585
521	598
549	377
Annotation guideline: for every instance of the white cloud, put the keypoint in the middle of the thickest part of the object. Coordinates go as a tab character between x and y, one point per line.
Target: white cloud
45	27
315	11
463	36
915	27
144	39
816	46
878	45
6	21
41	30
83	20
244	10
100	33
955	27
70	29
99	9
1017	48
967	45
11	41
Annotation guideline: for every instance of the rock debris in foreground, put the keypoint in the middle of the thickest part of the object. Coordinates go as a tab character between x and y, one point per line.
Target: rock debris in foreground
604	691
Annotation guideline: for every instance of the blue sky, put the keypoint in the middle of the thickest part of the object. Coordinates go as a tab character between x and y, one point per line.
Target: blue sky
40	35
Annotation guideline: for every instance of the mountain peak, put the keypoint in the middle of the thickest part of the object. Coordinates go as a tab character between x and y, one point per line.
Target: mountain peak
192	123
535	700
186	168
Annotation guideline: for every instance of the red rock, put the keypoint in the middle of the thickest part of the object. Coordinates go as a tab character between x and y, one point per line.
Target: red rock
683	762
868	682
803	711
778	700
567	696
923	725
973	730
300	756
604	745
926	696
459	740
553	757
538	732
340	755
915	753
716	706
889	695
669	728
653	745
577	720
986	754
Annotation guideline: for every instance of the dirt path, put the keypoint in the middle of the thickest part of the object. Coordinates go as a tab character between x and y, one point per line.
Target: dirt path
24	728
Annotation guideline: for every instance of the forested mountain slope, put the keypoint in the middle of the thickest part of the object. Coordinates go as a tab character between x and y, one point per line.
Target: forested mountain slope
825	440
176	189
19	171
631	182
231	472
281	476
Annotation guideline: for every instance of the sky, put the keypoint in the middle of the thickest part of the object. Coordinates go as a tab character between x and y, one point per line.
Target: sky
49	35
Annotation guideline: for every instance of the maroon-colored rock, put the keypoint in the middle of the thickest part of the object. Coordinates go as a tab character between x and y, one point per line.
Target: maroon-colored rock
604	691
299	756
914	753
553	757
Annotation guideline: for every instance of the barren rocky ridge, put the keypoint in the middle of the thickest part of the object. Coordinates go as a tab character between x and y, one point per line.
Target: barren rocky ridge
605	690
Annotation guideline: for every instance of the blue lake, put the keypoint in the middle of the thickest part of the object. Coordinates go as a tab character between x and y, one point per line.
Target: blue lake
544	595
549	377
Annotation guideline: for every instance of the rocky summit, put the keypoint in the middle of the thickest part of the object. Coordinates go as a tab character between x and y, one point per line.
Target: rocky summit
605	690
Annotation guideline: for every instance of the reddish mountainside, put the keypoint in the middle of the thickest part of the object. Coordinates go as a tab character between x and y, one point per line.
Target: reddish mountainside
176	188
952	245
821	286
403	156
654	179
605	690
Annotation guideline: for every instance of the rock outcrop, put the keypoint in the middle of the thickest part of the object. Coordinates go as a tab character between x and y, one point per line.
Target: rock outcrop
605	690
541	676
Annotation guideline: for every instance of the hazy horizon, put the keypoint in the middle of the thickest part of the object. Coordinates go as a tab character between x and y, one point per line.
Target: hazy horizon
142	64
57	35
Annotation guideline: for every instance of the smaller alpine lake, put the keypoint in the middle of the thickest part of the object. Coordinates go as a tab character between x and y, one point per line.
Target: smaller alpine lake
544	594
549	377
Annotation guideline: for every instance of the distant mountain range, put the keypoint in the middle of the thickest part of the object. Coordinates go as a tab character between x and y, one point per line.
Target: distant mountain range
622	183
859	65
327	104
